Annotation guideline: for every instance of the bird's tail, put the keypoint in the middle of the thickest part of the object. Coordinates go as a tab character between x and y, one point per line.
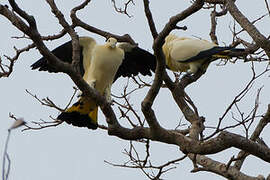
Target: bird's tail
216	52
82	114
227	52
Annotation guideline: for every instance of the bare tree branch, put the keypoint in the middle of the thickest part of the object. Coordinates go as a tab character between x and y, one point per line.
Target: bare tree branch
262	41
77	22
238	98
123	11
187	139
255	135
221	169
149	17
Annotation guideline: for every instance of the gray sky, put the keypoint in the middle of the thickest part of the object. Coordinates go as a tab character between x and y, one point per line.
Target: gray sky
71	153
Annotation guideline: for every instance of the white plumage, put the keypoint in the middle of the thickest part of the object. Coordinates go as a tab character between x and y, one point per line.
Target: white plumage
189	55
105	62
101	63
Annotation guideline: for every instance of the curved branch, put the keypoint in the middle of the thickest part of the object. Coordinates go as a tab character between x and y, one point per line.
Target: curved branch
71	32
220	169
147	103
77	22
260	39
149	17
255	135
23	14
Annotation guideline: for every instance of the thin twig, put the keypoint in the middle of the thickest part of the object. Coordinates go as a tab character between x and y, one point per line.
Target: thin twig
123	10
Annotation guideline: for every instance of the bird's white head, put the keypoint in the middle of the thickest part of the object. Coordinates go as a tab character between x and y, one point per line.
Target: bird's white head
112	42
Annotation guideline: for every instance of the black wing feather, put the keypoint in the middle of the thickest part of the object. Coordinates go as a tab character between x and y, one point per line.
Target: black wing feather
136	61
64	53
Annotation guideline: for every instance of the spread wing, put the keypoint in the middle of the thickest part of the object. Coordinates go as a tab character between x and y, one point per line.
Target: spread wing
136	61
64	53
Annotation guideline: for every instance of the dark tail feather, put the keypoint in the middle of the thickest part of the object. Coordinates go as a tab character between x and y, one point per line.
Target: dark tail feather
216	52
82	114
77	119
207	53
233	52
237	50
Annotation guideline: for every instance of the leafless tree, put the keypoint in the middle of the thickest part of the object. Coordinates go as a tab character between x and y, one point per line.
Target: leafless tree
194	141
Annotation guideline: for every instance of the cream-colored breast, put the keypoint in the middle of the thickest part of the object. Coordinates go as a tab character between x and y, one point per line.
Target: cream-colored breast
171	62
104	65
